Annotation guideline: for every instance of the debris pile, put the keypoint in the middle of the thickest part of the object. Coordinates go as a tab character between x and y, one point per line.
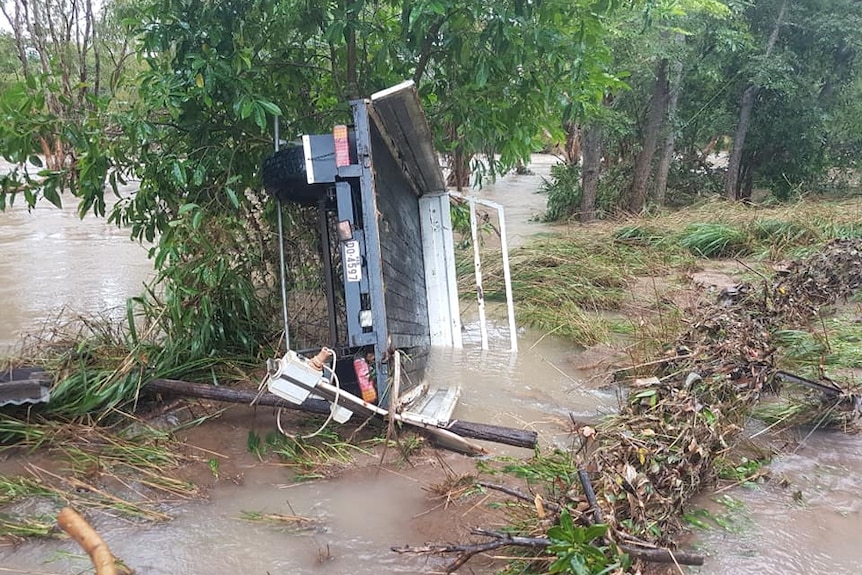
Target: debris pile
828	276
648	461
638	469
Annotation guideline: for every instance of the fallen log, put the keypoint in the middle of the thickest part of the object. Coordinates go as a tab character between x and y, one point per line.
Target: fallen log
486	432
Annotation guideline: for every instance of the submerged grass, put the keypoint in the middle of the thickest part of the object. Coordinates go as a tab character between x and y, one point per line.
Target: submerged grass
15	528
319	457
289	522
128	473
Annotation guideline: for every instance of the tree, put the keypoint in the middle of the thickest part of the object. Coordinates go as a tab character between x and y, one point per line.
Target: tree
734	165
670	125
591	169
53	110
643	165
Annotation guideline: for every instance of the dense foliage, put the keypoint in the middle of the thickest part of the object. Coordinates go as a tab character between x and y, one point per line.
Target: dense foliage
180	95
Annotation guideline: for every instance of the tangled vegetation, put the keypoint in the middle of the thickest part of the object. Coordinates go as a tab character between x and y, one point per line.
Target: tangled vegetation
684	416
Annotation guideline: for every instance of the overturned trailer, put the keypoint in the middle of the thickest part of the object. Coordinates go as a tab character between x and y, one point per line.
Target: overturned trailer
386	258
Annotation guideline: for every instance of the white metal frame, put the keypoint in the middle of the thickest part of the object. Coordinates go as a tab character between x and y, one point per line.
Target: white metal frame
507	274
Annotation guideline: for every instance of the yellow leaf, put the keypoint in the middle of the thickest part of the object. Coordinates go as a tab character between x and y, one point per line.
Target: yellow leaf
199	80
642	453
540	508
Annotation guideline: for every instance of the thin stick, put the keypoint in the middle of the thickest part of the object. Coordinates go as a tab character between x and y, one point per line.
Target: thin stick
654	362
546	334
516	494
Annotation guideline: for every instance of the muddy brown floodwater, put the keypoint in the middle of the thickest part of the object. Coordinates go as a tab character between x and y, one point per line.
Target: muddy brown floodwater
54	264
50	262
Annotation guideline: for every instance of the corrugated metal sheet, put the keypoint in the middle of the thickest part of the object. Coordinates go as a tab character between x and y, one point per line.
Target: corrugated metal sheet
24	385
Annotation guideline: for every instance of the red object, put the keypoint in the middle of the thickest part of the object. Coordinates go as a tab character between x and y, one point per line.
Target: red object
360	368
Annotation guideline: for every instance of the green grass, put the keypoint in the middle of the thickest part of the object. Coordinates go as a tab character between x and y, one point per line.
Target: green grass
566	281
315	458
710	240
832	343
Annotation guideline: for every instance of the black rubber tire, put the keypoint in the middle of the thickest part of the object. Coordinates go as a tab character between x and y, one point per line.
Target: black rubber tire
284	177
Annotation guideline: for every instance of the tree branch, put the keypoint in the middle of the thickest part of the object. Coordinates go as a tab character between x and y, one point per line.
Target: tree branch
465	552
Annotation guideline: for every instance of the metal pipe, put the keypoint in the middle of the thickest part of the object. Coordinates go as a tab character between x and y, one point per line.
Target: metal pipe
507	278
477	263
281	254
504	245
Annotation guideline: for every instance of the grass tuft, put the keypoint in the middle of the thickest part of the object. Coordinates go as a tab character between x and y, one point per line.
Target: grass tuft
710	240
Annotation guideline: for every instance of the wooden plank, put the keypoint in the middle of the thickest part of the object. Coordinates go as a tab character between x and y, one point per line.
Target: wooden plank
401	111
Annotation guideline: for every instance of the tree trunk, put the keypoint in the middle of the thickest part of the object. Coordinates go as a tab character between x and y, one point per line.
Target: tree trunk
658	105
734	164
458	161
746	106
590	170
426	51
350	40
670	128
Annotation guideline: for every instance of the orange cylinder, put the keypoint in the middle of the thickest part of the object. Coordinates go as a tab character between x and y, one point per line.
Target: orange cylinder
366	386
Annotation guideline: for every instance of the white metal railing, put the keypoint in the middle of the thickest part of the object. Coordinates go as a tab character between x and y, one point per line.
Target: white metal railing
477	263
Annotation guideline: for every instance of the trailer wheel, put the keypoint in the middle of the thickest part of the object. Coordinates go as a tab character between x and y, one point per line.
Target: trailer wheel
284	177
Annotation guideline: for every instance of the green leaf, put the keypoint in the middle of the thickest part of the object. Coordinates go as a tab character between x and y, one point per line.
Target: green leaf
186	208
482	74
594	532
50	193
270	108
231	194
179	174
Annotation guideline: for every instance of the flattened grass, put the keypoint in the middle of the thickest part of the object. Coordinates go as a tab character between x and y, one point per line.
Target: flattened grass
115	472
567	281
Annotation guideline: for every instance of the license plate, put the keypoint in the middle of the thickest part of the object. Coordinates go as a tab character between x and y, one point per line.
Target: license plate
352	261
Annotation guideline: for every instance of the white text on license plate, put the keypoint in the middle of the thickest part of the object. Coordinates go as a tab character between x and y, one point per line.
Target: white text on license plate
352	261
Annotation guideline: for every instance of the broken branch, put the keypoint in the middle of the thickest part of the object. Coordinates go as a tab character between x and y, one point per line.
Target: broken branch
78	529
465	552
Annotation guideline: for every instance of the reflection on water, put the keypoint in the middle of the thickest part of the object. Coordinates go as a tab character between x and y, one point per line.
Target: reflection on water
534	388
52	263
